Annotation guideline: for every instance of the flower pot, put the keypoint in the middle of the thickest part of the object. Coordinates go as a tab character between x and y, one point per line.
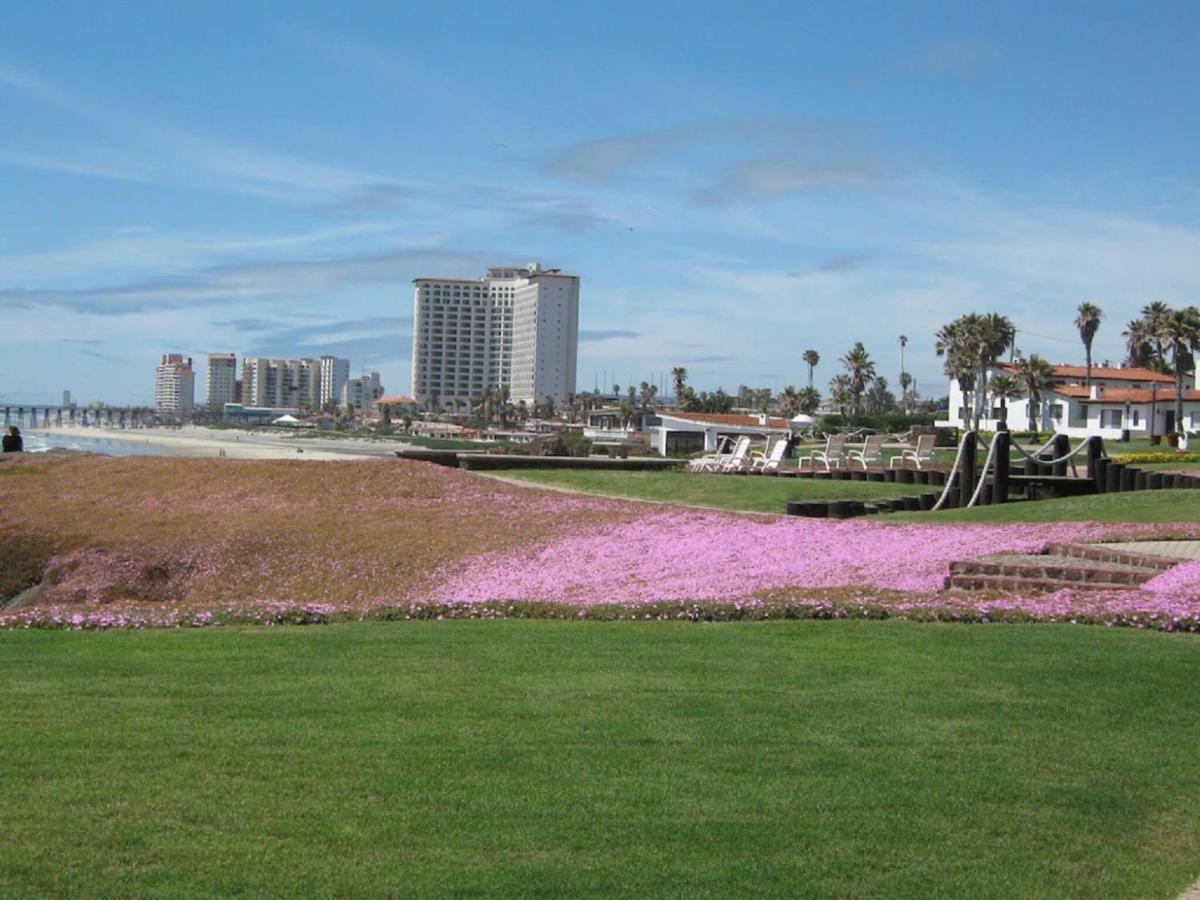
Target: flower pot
1155	440
1172	439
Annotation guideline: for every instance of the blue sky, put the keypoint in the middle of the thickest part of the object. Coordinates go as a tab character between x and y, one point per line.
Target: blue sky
734	183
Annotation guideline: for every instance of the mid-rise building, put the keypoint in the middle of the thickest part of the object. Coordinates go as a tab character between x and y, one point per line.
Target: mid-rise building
362	392
222	381
174	387
515	331
292	383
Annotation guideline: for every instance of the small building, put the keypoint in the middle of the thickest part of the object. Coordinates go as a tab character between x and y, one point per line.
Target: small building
684	432
239	414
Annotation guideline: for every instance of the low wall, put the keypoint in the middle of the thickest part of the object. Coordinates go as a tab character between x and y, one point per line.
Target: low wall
470	460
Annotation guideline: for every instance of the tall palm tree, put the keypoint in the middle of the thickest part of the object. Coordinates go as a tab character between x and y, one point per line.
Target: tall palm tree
1181	333
903	344
1088	323
1155	316
811	358
1004	388
810	399
1034	374
1138	347
679	378
971	345
906	381
861	370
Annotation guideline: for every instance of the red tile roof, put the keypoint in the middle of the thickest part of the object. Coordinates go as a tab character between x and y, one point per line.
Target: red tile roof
1123	395
1100	373
732	419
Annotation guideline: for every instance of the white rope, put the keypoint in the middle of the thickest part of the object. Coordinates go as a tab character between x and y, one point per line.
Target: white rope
1051	462
987	463
953	474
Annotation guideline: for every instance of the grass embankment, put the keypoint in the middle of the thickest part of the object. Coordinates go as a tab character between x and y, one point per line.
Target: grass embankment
215	530
523	758
734	492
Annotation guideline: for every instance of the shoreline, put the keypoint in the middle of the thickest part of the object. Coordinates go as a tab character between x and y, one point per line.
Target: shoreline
194	441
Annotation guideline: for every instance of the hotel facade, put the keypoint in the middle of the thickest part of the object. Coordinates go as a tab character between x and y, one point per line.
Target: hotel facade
174	387
515	329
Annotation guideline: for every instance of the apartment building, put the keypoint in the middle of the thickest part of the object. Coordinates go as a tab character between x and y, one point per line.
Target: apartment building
174	387
362	392
292	383
514	330
222	381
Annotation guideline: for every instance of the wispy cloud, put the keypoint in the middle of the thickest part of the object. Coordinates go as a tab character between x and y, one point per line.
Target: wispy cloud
832	266
956	58
271	280
783	174
367	341
607	335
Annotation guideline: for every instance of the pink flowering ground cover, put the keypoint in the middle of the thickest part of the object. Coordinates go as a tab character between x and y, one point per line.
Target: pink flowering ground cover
188	543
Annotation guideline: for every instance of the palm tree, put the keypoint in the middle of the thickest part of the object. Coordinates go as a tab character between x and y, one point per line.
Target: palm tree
1181	332
903	344
841	393
861	370
809	400
789	401
971	345
1004	388
1088	323
679	378
1138	348
811	358
646	393
1155	316
906	381
1034	375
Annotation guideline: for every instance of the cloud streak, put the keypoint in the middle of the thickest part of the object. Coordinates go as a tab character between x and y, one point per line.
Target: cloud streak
272	280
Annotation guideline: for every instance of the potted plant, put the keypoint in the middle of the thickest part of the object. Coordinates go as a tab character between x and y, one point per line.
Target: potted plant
1172	439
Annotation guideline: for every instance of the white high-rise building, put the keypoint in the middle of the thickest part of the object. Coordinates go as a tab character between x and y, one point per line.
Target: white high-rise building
334	374
174	387
515	329
222	380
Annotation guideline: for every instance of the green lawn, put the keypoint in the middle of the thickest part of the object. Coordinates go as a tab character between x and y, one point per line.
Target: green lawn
739	492
620	759
1135	506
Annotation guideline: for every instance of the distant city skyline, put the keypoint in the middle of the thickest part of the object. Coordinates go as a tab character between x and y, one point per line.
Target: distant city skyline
734	183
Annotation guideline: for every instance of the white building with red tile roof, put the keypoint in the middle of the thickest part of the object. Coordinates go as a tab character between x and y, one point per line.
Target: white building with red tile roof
1138	400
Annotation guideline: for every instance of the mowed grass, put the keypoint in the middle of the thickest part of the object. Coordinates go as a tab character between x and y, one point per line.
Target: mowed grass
617	759
748	493
1133	506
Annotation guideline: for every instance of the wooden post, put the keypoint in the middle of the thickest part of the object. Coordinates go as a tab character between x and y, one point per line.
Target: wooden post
967	466
1000	472
1062	446
1095	452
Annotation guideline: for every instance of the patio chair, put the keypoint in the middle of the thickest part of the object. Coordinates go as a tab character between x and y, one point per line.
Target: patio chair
740	459
770	462
714	461
923	453
871	453
832	457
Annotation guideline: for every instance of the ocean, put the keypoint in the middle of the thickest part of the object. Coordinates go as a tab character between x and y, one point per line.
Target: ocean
40	443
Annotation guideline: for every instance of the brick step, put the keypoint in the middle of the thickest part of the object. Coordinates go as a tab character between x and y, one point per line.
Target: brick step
1022	585
1057	569
1100	553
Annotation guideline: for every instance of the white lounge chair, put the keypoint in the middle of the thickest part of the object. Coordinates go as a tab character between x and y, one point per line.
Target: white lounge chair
740	460
770	462
921	454
871	453
832	457
714	461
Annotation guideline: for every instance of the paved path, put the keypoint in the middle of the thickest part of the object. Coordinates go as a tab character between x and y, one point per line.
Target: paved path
1177	549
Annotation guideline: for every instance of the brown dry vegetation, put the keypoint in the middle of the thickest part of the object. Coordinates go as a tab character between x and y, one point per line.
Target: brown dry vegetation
99	529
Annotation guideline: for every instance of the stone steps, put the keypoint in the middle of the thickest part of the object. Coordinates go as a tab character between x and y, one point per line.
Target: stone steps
1077	566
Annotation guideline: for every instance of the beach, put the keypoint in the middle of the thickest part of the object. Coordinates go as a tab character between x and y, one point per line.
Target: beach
197	441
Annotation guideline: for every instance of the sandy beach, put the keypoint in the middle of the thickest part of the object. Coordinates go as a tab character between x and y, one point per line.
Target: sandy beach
197	441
